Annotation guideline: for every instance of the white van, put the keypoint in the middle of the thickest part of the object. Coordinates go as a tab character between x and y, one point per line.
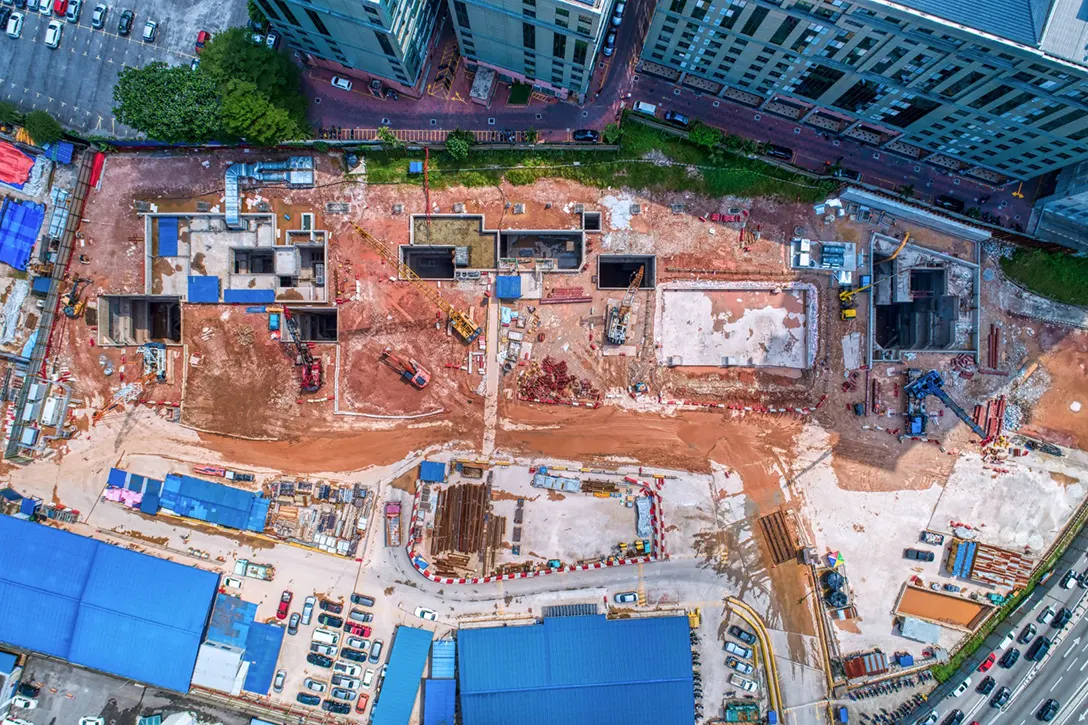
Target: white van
324	636
642	107
742	682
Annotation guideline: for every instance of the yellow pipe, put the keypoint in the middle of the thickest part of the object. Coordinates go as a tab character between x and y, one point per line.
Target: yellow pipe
750	616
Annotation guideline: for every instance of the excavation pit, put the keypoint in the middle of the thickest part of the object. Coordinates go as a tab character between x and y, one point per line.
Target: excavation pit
616	271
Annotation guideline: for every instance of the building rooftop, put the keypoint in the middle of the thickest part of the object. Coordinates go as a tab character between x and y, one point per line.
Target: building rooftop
1021	21
1066	33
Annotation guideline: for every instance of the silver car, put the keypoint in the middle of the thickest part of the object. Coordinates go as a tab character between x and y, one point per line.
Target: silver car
308	609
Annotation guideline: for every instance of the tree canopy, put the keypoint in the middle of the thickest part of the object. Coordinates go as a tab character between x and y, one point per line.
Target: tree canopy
42	127
232	55
168	103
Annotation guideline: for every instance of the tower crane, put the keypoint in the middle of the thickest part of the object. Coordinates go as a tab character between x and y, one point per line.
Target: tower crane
618	316
310	374
462	323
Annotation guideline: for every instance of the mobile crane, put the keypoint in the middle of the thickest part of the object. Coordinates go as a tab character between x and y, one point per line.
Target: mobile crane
619	315
310	374
847	295
462	323
409	370
922	386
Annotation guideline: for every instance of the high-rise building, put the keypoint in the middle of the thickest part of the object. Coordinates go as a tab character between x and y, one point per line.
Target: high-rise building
994	89
389	39
551	44
1061	213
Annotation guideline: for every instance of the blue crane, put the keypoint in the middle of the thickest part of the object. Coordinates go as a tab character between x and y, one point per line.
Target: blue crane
932	384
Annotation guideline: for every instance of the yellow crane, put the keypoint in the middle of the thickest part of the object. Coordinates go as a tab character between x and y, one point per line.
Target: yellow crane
845	297
903	243
461	322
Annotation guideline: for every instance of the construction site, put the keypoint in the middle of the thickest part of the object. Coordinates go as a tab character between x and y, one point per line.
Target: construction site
822	387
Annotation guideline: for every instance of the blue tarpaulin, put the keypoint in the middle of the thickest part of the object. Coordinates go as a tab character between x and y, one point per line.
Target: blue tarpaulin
508	286
116	478
214	502
439	701
20	222
203	290
61	152
168	236
41	285
149	504
432	471
262	651
248	296
28	506
415	167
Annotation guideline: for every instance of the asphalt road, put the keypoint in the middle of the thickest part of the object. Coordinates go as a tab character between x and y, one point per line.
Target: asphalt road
1063	675
74	82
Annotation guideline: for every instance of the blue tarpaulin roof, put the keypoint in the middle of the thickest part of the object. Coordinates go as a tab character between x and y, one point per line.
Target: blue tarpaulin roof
214	502
61	152
432	471
41	285
116	478
149	504
406	661
20	222
262	651
439	701
168	236
203	290
28	506
443	657
565	670
230	621
248	296
7	662
508	286
415	167
101	606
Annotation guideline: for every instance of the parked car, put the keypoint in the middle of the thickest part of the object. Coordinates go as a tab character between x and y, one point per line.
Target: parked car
342	83
98	17
1026	634
1039	648
1049	709
202	39
353	654
1045	615
359	615
1010	658
292	623
357	643
779	152
14	26
338	708
151	29
988	662
986	686
315	685
53	33
45	7
368	678
346	668
308	609
285	604
678	118
329	650
376	652
28	689
918	555
427	614
360	630
841	173
954	718
124	25
609	45
1062	618
5	14
586	135
278	680
1005	642
742	667
75	7
962	688
1001	698
1069	580
626	598
742	634
24	703
330	621
617	13
362	600
360	704
272	39
306	699
348	683
948	202
334	607
319	660
738	649
341	694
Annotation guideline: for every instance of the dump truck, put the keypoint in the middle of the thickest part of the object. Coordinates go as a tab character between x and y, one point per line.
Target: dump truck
392	523
244	567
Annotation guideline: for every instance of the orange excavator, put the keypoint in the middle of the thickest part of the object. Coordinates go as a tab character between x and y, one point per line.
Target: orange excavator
409	370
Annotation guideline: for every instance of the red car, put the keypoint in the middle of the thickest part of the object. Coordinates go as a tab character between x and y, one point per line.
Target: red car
988	663
364	698
359	630
60	8
201	38
285	603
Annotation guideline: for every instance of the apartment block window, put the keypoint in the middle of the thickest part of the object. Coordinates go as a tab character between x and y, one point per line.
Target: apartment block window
585	20
528	12
383	41
562	17
662	47
461	11
1062	120
962	84
784	30
559	45
581	49
699	11
530	3
287	14
318	23
657	56
528	35
754	21
677	6
987	98
267	9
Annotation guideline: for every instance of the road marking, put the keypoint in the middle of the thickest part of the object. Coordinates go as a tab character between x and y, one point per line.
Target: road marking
1056	683
1071	665
1084	665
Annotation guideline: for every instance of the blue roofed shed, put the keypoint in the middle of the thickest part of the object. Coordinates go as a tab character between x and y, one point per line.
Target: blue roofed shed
248	296
439	701
20	223
262	651
576	670
508	286
61	151
443	658
406	661
168	236
203	290
101	606
432	471
214	502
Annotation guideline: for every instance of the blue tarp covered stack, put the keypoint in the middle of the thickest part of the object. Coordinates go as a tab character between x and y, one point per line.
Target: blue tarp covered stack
20	223
214	503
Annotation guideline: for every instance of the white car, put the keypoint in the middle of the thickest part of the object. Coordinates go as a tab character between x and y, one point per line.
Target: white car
347	668
15	25
427	614
53	33
315	685
45	7
23	703
308	609
150	30
349	683
232	582
626	597
357	643
962	688
368	678
74	9
277	683
342	83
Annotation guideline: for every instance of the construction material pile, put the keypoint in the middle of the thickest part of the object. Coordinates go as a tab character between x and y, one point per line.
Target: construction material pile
550	382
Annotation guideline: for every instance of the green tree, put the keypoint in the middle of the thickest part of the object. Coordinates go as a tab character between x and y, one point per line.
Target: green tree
248	115
531	135
256	14
233	56
705	136
612	133
9	114
168	103
906	190
42	127
459	143
388	138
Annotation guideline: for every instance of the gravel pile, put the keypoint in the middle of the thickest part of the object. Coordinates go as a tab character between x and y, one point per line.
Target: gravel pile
998	250
1014	416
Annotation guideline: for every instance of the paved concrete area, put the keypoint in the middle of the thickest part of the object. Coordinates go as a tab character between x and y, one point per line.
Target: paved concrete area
75	81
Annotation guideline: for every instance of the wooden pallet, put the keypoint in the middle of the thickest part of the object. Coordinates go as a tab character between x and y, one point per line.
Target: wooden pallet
779	536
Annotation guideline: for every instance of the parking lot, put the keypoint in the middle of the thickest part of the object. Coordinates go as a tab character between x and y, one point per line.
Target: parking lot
75	81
